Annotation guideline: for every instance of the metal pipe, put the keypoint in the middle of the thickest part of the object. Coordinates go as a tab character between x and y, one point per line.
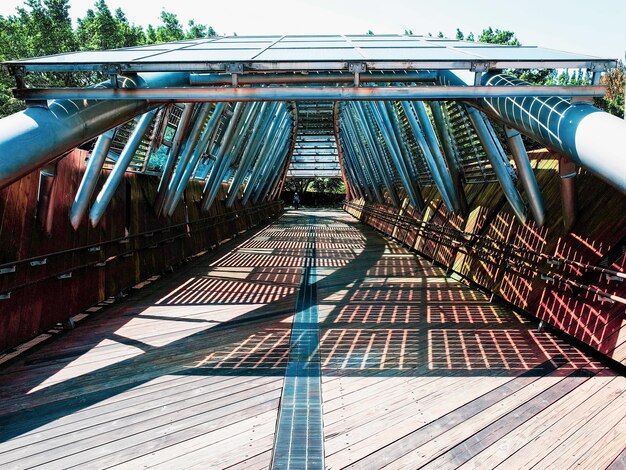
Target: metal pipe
428	156
33	137
172	155
526	174
256	140
569	196
260	162
273	157
431	139
454	168
191	166
283	150
586	135
496	156
187	152
213	183
90	178
117	173
320	77
382	116
376	154
300	93
360	153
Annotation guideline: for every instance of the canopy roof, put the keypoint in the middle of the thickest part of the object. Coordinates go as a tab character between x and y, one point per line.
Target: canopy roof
314	53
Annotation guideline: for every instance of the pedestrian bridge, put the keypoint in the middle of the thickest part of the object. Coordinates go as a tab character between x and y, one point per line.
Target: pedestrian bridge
312	341
160	306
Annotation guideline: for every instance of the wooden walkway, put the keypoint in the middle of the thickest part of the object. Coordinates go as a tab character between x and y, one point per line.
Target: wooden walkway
417	370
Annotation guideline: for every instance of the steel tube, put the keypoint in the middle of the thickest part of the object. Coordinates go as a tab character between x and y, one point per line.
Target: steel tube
117	173
260	160
90	178
172	155
300	93
382	116
496	156
431	139
221	161
581	132
256	139
431	162
321	77
376	155
33	137
361	153
188	149
449	154
526	174
191	166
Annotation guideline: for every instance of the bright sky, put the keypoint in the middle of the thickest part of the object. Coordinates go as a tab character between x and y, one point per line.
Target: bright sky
595	27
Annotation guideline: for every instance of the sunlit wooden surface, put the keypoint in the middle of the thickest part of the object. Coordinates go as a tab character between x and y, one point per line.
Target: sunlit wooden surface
418	370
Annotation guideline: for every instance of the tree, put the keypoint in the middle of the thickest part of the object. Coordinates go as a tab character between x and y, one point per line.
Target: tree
171	29
613	101
459	34
497	36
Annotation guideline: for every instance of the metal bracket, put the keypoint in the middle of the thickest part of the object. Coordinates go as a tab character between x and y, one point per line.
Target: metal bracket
65	276
233	68
125	241
39	262
100	265
482	66
94	249
554	262
614	278
10	269
148	235
111	69
546	278
357	69
477	76
5	296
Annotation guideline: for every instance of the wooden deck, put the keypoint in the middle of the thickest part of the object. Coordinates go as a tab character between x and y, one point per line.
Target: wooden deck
415	370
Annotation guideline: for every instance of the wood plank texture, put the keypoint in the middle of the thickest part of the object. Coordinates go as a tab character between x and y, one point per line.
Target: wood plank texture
418	370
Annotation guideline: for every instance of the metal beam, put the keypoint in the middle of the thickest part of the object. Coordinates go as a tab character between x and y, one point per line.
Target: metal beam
298	93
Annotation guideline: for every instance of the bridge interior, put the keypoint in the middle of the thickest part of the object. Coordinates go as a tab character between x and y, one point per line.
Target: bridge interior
218	366
308	339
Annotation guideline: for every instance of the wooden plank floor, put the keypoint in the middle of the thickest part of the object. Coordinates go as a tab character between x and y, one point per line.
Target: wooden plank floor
417	370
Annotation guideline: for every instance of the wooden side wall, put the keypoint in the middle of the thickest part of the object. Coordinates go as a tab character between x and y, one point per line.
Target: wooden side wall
601	227
131	242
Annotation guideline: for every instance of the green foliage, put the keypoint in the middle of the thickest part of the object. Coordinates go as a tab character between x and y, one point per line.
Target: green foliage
44	27
328	186
459	34
497	36
613	102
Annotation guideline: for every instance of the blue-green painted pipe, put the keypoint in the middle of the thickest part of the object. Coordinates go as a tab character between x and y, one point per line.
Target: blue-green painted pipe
376	156
273	158
258	132
224	156
90	178
449	154
383	117
497	157
117	173
260	161
190	146
33	137
360	154
190	168
431	162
